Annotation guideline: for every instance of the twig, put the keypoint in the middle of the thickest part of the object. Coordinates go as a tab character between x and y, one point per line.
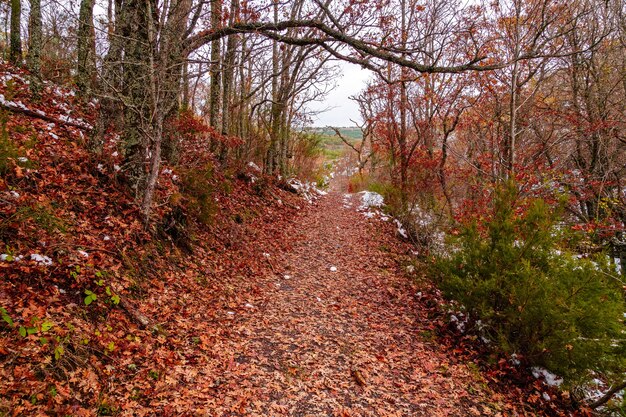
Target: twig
609	394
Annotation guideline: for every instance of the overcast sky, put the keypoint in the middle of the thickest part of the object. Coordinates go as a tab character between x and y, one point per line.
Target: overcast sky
341	108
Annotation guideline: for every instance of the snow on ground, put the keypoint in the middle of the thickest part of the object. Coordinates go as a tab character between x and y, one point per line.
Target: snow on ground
618	265
308	190
370	203
347	201
254	167
401	230
370	199
40	259
550	378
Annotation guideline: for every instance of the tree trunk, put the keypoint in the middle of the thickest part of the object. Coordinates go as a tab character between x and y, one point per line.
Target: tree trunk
111	79
214	95
34	47
86	50
15	55
136	91
229	71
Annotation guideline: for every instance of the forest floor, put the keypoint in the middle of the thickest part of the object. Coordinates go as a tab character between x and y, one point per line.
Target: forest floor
272	307
341	333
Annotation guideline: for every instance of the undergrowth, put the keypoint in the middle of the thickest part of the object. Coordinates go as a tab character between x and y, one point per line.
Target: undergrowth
534	299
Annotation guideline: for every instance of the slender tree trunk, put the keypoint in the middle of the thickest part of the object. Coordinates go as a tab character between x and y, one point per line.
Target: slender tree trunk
270	163
510	147
34	47
86	50
15	55
185	100
214	98
404	104
111	79
229	71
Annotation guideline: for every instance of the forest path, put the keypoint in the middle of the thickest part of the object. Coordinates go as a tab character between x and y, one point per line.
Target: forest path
348	342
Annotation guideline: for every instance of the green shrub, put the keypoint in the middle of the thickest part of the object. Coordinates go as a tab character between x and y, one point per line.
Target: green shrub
560	311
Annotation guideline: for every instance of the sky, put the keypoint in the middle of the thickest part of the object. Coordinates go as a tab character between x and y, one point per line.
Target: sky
340	108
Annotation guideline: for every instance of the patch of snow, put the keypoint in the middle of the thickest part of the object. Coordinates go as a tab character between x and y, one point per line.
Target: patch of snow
230	313
254	166
22	159
248	305
106	238
370	199
551	379
14	194
287	276
116	168
460	321
318	299
546	396
83	254
79	122
40	259
333	269
308	190
267	255
401	230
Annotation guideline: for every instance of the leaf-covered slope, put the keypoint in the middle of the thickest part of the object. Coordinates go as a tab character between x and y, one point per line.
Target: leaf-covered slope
78	272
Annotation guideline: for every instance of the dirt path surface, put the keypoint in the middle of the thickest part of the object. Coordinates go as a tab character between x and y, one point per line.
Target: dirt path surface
344	342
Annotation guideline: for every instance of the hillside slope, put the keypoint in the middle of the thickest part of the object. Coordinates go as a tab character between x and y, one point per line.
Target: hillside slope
70	229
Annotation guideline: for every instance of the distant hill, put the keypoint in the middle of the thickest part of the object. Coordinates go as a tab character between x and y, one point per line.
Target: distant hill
332	146
347	132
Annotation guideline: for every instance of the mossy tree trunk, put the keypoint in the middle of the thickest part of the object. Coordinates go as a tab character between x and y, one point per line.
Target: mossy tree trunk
15	55
86	50
34	47
215	73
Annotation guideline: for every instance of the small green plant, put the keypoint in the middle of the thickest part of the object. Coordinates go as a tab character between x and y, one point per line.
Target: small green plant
75	272
36	326
560	311
5	317
90	297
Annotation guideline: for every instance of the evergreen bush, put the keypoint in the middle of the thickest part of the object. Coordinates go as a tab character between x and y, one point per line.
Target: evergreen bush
561	311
